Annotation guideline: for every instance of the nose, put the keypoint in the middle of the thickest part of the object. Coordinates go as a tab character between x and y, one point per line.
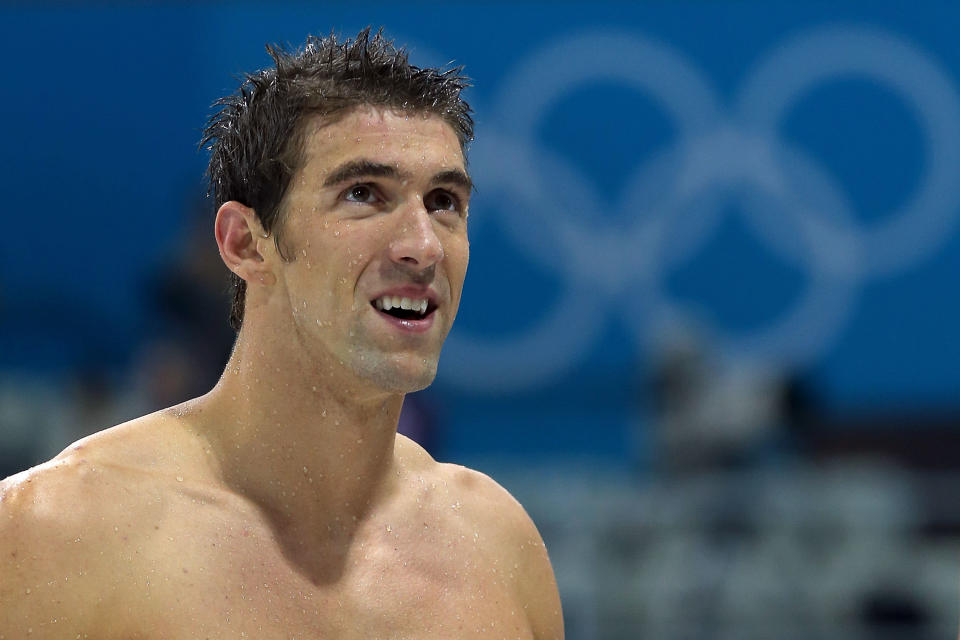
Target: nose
415	243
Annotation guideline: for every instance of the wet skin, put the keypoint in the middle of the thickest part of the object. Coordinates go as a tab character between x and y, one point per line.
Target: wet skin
282	503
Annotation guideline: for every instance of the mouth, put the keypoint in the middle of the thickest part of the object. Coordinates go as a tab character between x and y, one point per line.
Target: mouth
414	314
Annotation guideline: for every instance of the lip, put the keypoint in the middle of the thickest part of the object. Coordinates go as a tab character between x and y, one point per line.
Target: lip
409	325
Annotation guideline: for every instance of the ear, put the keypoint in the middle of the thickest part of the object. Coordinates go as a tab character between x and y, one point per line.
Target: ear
239	237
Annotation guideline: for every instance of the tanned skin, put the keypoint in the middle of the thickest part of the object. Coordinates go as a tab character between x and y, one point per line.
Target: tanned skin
283	503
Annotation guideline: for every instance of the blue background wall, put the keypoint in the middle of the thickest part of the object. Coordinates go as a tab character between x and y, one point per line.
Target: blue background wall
783	176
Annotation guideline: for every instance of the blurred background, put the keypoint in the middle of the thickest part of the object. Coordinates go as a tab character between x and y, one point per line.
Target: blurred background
707	337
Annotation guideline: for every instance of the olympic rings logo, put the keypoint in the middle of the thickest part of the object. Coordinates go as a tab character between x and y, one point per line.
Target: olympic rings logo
790	202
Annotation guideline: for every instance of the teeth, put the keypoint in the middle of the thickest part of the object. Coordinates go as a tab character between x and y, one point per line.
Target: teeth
386	303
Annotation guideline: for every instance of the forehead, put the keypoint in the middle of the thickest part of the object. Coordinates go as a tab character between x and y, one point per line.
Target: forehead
413	141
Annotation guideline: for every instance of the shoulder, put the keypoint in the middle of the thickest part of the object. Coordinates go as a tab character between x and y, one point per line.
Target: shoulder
108	478
488	497
489	502
508	533
45	542
99	476
62	530
480	494
515	538
479	498
74	491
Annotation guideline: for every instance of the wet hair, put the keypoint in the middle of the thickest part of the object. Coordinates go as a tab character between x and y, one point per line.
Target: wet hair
256	135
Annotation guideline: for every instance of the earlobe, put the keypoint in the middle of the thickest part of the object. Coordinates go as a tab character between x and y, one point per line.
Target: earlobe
237	231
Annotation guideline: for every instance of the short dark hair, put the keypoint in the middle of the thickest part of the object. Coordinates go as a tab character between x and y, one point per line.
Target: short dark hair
256	134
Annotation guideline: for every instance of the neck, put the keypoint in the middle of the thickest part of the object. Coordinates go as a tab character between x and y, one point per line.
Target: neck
308	444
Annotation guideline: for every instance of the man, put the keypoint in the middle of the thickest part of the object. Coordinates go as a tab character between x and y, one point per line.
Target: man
282	504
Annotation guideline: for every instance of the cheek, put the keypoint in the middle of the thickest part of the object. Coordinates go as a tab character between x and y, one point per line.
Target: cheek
306	258
310	278
458	255
355	259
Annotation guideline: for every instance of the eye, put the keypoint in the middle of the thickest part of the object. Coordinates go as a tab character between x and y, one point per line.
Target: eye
442	200
362	193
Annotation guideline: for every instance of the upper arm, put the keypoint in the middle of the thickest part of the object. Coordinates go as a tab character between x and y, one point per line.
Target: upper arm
518	540
47	574
536	581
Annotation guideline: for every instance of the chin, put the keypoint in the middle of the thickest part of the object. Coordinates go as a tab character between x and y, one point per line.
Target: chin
398	374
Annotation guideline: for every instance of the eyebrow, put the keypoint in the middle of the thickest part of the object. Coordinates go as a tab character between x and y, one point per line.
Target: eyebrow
455	177
362	168
354	169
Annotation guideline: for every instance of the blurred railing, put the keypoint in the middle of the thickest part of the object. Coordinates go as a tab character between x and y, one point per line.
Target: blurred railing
853	550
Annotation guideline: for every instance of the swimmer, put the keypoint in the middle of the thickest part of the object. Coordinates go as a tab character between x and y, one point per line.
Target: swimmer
283	503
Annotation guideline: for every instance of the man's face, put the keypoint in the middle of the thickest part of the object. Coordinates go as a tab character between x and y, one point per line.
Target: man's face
376	219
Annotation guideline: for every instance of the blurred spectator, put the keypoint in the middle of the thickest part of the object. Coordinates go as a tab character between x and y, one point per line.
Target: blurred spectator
92	403
190	297
27	411
894	613
708	415
168	372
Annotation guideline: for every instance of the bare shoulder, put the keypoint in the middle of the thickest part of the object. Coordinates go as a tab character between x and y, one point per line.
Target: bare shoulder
48	530
479	497
483	498
60	523
504	530
114	476
514	536
488	499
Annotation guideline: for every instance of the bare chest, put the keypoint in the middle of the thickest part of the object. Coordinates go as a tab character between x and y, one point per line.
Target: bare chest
232	580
